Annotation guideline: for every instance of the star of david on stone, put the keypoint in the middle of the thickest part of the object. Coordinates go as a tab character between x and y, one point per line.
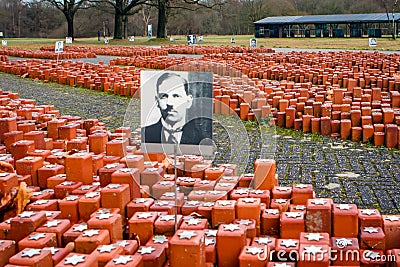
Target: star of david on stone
257	192
144	215
209	241
165	183
106	248
199	192
281	265
189	180
187	234
74	259
123	260
140	200
244	222
300	207
114	186
53	250
160	239
368	254
91	232
214	192
224	202
31	252
169	194
26	214
242	191
50	166
313	249
392	218
104	216
167	218
80	228
162	203
368	212
103	211
71	198
313	236
231	227
248	200
40	202
37	236
110	166
85	187
289	243
371	230
263	240
301	186
193	203
225	184
36	194
125	170
146	250
204	182
211	233
293	214
193	221
122	243
344	207
52	223
208	204
7	221
272	211
343	242
4	174
92	194
281	188
319	201
254	250
281	200
67	183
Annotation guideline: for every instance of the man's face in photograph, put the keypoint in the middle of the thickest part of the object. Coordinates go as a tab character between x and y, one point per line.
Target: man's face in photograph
173	100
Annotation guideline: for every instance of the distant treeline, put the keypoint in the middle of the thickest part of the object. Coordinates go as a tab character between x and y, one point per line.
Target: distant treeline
40	19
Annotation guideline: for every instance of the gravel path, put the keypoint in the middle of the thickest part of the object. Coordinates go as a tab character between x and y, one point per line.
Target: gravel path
346	171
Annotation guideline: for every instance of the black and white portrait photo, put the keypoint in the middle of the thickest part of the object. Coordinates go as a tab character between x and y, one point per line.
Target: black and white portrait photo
253	42
176	109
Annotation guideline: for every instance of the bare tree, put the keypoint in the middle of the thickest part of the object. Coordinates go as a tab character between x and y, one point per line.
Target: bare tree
69	9
391	7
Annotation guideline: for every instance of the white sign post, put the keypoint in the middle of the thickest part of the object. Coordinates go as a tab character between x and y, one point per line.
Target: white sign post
253	42
59	48
106	41
149	30
131	38
4	42
372	42
68	40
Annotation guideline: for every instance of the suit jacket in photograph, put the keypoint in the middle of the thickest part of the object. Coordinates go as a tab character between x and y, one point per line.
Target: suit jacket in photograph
192	132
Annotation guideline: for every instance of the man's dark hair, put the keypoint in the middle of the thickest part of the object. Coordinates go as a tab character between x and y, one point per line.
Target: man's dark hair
167	75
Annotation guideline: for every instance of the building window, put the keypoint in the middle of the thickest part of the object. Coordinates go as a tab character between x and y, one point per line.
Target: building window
261	31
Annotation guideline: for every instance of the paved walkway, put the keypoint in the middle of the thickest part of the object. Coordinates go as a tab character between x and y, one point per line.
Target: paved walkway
346	171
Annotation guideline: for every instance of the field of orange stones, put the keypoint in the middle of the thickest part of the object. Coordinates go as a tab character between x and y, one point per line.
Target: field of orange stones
94	199
351	95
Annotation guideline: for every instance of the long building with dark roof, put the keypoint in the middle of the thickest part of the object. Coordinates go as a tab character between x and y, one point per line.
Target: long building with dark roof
341	25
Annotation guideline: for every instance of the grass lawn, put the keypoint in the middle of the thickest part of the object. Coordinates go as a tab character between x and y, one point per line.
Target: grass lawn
383	44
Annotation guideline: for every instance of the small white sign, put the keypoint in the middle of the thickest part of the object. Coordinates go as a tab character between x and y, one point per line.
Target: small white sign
253	42
59	48
171	39
233	41
372	42
201	39
68	40
106	41
131	38
4	42
149	30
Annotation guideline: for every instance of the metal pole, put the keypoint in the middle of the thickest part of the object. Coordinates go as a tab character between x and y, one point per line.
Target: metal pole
176	187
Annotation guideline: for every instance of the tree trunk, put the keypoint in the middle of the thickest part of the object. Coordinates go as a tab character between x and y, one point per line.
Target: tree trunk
70	23
125	19
162	19
118	21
